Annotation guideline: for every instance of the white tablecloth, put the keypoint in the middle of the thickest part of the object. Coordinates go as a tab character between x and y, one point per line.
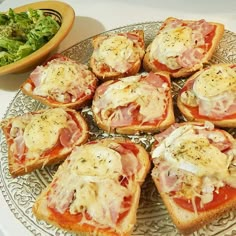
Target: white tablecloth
93	17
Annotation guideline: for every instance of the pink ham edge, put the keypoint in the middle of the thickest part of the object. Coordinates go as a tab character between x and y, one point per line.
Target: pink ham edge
70	134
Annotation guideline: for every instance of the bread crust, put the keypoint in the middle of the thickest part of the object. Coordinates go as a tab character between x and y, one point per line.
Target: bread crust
79	103
137	129
85	101
224	122
184	72
186	221
42	212
113	74
17	169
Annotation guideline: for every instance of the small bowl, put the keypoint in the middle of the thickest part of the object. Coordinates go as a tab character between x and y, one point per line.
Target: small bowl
60	11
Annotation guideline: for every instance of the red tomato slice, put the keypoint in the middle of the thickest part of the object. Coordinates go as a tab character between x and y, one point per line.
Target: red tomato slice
162	67
225	194
68	220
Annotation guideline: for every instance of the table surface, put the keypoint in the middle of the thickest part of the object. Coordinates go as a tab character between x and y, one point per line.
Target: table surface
93	17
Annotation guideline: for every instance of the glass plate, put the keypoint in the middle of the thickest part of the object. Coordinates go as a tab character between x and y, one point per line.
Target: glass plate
152	216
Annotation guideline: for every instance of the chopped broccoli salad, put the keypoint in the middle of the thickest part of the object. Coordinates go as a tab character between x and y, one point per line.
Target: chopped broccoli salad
23	33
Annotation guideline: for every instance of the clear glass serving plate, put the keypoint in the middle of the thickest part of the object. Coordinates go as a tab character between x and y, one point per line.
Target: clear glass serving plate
152	217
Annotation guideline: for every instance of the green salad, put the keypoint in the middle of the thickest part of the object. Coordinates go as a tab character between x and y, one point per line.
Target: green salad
23	33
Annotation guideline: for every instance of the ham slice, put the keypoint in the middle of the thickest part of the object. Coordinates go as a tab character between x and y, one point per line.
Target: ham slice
190	57
154	80
70	134
129	161
123	116
202	26
35	76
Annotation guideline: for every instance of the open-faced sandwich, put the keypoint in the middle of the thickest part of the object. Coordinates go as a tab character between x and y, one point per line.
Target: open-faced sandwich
210	94
61	82
96	190
195	173
42	138
181	47
117	55
130	105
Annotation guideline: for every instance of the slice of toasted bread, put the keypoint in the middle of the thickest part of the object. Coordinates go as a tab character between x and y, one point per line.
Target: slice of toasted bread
136	104
181	47
188	222
196	188
42	138
61	82
210	95
97	188
117	55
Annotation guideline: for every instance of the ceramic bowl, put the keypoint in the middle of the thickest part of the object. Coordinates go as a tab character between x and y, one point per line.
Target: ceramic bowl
60	11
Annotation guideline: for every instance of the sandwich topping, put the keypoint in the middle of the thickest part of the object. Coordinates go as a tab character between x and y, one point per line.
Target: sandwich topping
32	135
118	52
194	163
92	170
212	92
62	80
180	44
136	100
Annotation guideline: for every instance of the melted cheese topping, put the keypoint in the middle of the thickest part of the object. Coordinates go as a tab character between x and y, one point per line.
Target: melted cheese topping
88	182
194	153
214	91
132	90
43	130
170	43
215	81
96	160
63	76
116	51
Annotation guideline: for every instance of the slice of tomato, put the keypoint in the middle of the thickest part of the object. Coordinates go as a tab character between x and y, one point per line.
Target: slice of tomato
225	194
195	113
163	67
70	221
66	218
